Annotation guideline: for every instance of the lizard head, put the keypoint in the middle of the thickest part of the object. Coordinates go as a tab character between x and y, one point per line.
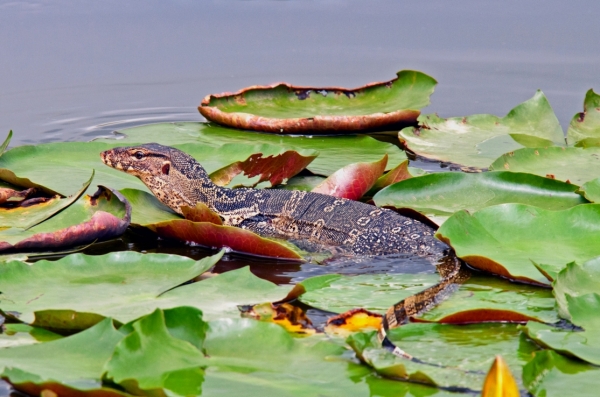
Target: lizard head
165	170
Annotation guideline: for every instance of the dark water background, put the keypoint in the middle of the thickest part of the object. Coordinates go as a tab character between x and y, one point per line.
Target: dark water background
74	70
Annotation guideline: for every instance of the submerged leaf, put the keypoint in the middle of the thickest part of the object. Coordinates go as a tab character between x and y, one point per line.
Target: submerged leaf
352	181
474	142
285	109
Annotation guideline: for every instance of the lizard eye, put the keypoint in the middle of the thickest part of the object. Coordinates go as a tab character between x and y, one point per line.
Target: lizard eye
139	155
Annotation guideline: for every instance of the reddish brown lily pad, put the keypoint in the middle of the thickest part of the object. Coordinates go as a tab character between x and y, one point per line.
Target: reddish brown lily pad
103	216
352	181
275	169
201	213
282	108
217	236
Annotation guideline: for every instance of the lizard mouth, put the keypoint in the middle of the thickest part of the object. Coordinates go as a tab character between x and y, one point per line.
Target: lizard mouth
105	157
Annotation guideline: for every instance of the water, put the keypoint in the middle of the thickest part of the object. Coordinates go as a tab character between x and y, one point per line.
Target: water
77	70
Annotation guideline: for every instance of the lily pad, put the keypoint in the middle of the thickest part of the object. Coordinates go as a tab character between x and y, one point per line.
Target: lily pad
456	357
572	164
474	142
29	216
146	208
103	216
439	195
375	293
505	239
65	366
286	109
575	281
22	334
486	299
124	285
585	126
352	181
358	148
549	374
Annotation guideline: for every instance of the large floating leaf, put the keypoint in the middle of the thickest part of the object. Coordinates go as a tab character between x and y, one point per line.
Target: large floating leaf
476	141
585	126
576	281
447	356
440	195
572	164
124	286
17	334
209	136
591	190
505	239
146	208
106	284
352	181
552	375
103	216
65	366
285	109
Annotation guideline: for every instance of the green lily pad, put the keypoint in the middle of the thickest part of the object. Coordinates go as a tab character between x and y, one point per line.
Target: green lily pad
65	366
591	190
439	195
103	216
447	356
572	164
576	281
373	292
359	148
505	239
585	126
549	374
486	299
79	284
285	109
584	345
474	142
146	209
99	284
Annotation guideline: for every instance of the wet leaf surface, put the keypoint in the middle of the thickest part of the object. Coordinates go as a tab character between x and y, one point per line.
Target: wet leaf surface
103	216
285	109
585	126
275	169
551	375
31	215
65	365
22	334
201	139
476	141
439	195
571	164
446	355
506	239
108	285
218	236
146	208
352	181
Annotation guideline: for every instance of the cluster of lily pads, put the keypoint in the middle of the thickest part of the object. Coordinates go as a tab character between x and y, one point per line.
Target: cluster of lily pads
124	323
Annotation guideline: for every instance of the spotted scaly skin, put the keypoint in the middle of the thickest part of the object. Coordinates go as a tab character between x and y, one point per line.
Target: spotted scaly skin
178	180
